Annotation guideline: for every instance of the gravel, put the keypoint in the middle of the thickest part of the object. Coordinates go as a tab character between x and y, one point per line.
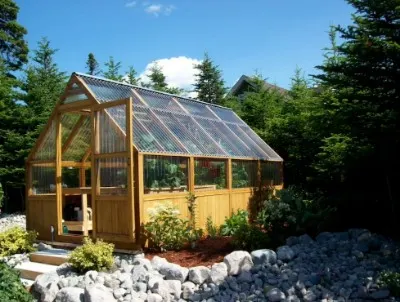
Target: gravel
11	220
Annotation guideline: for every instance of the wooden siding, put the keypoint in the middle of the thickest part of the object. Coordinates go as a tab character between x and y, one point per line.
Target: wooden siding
41	215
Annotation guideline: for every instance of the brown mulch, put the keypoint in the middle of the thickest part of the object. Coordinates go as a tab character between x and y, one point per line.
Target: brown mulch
207	252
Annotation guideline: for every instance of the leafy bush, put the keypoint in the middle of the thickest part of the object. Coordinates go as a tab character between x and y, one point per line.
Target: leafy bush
233	223
92	256
165	229
11	288
16	240
288	213
250	237
391	280
212	229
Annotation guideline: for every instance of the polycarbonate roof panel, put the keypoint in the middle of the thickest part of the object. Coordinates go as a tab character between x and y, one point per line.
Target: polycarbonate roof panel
165	123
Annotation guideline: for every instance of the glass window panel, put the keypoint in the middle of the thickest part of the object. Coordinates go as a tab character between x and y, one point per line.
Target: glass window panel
113	176
259	153
165	174
118	114
80	143
218	132
111	137
263	145
43	180
68	122
75	98
209	174
271	173
200	135
184	136
195	108
244	173
161	135
47	150
143	139
70	177
226	115
159	100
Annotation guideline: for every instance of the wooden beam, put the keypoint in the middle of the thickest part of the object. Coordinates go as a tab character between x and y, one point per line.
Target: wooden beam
191	174
140	188
130	168
94	170
84	215
73	133
75	106
112	155
59	173
106	105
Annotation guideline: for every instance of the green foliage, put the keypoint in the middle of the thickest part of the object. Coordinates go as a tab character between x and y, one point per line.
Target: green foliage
16	241
233	223
391	280
112	70
250	237
212	230
92	65
165	229
158	81
288	213
131	76
13	47
11	288
191	201
209	83
162	173
96	256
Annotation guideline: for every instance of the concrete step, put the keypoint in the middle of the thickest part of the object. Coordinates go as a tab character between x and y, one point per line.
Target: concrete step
52	257
30	270
27	283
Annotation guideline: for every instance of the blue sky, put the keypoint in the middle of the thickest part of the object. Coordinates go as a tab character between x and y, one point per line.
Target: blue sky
270	36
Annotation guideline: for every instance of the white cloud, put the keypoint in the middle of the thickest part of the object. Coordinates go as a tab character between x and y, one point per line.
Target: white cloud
158	9
179	72
131	4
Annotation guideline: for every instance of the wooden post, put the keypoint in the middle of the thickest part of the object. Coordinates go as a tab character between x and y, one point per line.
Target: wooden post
82	176
229	182
59	173
191	174
129	149
94	121
84	214
140	186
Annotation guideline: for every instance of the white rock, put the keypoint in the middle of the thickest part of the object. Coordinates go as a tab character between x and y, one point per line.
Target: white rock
71	294
157	262
175	288
219	271
43	281
264	256
98	293
285	253
199	274
188	289
275	295
154	298
173	271
237	262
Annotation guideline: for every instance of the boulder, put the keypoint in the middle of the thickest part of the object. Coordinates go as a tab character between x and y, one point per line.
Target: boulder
323	237
49	293
188	289
263	256
175	288
292	240
275	295
154	298
199	274
237	262
305	239
44	280
98	293
157	262
173	271
218	273
285	253
71	294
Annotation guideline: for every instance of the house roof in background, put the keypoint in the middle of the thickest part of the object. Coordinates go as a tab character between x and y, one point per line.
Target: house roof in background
244	79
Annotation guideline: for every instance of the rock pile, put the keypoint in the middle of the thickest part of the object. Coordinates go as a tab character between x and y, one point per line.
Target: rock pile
334	267
11	220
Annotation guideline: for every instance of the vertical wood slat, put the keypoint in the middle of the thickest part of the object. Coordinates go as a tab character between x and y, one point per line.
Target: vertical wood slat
229	180
59	173
129	149
93	120
191	174
140	188
84	214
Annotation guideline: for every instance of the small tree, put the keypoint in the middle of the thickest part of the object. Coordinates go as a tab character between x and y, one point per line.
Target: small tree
158	81
92	65
112	71
209	83
131	76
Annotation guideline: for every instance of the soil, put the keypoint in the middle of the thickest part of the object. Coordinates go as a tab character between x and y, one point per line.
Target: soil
207	252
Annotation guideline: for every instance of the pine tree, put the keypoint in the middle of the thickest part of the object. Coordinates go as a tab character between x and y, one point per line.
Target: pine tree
112	71
92	65
158	81
13	48
131	76
209	83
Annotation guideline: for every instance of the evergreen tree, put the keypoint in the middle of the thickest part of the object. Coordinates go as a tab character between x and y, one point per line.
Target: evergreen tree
209	83
13	48
92	65
158	81
131	76
112	71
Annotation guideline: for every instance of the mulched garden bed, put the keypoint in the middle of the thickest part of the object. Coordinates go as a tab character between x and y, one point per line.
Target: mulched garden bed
207	252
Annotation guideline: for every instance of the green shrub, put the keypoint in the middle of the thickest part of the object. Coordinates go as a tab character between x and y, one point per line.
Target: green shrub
391	280
250	237
92	256
288	213
16	240
212	229
165	230
233	223
11	288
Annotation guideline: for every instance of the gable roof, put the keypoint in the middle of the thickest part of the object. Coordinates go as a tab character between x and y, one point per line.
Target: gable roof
166	123
246	80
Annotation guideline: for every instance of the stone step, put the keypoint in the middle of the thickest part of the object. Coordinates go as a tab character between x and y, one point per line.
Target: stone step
52	257
30	270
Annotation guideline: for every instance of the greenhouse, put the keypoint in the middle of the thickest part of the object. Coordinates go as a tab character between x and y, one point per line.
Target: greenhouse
111	151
